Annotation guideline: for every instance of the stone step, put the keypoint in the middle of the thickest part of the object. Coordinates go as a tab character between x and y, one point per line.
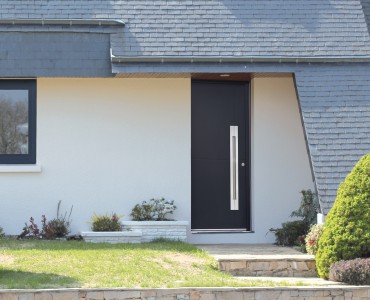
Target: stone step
269	267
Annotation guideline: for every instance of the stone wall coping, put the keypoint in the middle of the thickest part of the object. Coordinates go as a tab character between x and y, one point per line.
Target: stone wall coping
155	223
111	233
200	289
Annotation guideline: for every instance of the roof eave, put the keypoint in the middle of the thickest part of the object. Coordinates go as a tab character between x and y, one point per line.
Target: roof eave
244	59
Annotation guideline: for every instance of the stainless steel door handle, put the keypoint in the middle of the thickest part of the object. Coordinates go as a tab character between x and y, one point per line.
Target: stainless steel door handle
234	169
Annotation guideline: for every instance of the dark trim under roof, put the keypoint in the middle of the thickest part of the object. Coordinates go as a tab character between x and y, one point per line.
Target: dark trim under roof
244	59
70	22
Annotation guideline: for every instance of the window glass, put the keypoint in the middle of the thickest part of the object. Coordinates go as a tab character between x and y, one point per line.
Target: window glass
14	122
17	121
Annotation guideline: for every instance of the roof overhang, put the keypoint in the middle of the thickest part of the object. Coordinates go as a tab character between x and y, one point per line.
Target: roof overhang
239	59
69	22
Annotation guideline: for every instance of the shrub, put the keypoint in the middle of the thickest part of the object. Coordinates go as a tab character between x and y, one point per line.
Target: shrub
312	238
58	227
154	210
30	230
308	209
293	233
2	234
347	228
289	233
106	222
356	271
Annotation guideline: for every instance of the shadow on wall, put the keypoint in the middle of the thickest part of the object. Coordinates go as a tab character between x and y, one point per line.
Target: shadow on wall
366	7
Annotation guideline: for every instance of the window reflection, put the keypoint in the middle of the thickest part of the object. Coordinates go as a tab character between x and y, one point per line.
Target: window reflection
14	122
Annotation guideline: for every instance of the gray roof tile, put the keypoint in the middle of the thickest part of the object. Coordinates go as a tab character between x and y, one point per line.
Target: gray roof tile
215	27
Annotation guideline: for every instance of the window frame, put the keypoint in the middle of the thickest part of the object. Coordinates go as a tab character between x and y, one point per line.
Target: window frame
30	86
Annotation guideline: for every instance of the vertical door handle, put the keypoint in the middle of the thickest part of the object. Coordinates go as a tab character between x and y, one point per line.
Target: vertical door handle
234	168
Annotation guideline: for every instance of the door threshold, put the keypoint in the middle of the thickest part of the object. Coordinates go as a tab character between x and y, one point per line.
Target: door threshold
238	230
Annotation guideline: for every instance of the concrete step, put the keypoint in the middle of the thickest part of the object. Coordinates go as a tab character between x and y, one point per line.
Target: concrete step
269	267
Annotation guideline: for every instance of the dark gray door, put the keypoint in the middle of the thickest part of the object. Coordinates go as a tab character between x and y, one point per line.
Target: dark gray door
220	156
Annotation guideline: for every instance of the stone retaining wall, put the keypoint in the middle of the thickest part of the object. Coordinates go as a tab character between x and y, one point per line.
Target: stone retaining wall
269	267
295	293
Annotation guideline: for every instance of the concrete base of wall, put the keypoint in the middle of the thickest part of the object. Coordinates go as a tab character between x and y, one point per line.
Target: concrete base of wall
307	293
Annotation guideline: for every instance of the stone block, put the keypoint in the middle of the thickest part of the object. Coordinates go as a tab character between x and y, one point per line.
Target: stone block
27	296
235	265
195	295
207	296
43	296
93	295
8	296
224	266
263	295
229	295
360	293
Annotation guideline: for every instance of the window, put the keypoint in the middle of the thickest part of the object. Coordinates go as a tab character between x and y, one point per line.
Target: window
17	121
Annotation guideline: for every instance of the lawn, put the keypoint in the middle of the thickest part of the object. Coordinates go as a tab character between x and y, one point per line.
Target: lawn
55	264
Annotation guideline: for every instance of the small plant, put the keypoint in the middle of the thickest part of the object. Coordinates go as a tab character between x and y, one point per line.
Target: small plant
290	233
356	271
154	210
308	209
293	233
312	238
58	227
106	222
30	230
55	228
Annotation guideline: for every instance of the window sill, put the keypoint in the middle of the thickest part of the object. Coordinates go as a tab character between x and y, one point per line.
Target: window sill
20	169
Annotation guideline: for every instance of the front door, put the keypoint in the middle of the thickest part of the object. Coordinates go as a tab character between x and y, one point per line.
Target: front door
220	156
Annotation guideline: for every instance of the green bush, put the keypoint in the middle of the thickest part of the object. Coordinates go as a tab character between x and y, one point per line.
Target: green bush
154	210
106	222
347	228
2	234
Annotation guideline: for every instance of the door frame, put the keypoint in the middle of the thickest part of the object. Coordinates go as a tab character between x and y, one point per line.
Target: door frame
248	139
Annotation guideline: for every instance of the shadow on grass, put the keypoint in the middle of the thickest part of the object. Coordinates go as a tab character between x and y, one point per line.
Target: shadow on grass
10	279
161	245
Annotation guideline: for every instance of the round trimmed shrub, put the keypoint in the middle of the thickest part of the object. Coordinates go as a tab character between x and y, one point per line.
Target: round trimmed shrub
347	227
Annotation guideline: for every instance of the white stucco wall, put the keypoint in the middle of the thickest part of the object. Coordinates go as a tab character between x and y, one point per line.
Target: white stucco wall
106	144
103	145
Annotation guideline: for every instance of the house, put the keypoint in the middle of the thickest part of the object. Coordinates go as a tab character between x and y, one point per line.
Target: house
229	107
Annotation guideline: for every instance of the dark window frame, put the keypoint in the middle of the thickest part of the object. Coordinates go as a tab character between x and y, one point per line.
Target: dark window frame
30	85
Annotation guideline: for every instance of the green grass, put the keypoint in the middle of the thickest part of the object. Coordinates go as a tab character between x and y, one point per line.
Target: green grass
54	264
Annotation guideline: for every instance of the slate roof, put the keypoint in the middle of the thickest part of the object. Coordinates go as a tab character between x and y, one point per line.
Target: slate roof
216	27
